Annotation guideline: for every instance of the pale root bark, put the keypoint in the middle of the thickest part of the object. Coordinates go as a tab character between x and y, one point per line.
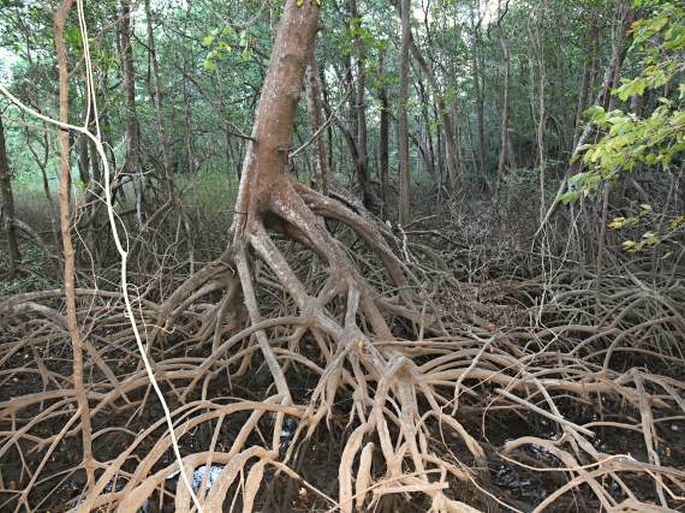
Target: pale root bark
345	316
69	254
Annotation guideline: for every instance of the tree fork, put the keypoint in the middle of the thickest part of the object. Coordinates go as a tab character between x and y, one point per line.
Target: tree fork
270	199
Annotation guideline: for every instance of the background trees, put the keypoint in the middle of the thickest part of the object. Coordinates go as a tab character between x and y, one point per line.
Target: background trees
476	214
189	78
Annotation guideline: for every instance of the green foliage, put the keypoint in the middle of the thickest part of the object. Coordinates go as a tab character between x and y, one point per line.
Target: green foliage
650	141
212	58
654	140
653	231
222	44
569	197
629	140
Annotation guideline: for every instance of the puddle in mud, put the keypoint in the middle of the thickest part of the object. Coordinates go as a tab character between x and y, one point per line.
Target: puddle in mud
525	488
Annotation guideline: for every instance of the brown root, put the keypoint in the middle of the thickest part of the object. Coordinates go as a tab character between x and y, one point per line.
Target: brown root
262	351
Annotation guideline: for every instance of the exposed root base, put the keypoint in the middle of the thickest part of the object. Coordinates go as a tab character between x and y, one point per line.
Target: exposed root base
332	361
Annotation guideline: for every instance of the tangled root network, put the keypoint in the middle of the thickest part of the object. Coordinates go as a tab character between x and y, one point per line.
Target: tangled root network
303	376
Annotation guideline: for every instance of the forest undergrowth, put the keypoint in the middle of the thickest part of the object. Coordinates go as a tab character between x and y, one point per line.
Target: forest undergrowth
277	347
519	383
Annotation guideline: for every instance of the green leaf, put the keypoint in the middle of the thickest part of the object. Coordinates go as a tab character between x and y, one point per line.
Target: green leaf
569	197
650	239
645	209
577	179
595	113
631	246
622	222
676	223
634	87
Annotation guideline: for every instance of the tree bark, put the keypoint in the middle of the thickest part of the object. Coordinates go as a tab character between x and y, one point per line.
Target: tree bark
454	170
477	67
360	105
537	35
170	183
586	85
506	155
187	112
8	206
133	163
68	247
155	91
322	170
542	112
384	141
403	130
619	48
344	315
620	42
266	162
429	156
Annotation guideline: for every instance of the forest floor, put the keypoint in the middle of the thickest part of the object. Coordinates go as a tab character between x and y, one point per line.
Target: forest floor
570	382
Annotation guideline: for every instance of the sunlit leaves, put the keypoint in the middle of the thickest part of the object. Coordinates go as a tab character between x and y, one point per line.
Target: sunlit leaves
648	240
569	197
632	87
622	222
657	232
652	140
656	139
223	43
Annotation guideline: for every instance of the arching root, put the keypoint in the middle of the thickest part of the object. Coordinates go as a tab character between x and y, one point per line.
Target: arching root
262	349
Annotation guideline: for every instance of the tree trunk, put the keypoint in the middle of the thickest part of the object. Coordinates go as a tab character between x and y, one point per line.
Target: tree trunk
334	312
454	170
168	174
586	85
266	162
430	151
7	211
477	66
154	89
360	106
187	113
542	112
384	142
619	48
403	131
505	163
322	170
83	411
133	163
